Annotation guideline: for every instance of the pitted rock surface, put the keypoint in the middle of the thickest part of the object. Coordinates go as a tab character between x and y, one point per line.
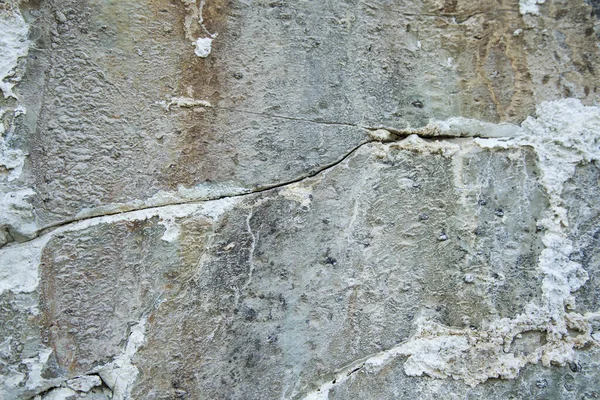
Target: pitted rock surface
235	199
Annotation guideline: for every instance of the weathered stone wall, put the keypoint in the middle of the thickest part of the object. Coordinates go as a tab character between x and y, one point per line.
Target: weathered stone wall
334	199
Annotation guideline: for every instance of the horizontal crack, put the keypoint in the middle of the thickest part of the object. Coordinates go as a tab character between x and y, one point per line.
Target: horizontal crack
287	117
462	17
49	228
392	135
355	370
429	131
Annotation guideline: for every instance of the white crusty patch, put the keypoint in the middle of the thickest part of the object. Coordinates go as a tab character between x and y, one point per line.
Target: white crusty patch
171	229
530	6
467	127
414	142
11	159
216	208
13	45
185	102
19	266
563	134
212	209
121	374
36	365
203	47
17	213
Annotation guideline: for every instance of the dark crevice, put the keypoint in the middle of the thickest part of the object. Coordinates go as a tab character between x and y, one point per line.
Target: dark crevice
458	16
395	135
355	370
259	189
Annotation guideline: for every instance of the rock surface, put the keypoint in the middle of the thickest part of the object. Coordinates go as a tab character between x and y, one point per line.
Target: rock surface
299	199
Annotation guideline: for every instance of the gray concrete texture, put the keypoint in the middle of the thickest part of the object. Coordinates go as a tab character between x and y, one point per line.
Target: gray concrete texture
252	199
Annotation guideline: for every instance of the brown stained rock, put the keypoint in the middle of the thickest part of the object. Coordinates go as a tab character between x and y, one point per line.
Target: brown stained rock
95	287
289	86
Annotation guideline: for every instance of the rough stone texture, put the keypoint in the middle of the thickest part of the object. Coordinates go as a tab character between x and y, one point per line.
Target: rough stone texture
581	193
574	381
315	286
101	77
206	199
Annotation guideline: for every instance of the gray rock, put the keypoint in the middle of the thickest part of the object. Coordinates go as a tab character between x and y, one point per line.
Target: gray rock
299	199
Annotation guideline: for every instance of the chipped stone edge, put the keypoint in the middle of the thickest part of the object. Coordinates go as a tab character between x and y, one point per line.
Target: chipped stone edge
121	374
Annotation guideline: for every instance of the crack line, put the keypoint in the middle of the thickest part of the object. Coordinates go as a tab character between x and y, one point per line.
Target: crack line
259	189
348	124
431	130
392	135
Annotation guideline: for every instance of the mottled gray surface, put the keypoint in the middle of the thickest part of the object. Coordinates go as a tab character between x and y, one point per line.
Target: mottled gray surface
312	288
299	281
97	285
236	227
582	193
578	380
291	83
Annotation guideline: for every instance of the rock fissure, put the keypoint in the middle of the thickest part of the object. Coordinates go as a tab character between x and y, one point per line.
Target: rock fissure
440	351
442	130
286	117
423	348
378	135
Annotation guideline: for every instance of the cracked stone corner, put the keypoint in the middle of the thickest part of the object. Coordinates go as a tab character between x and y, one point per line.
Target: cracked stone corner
121	374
